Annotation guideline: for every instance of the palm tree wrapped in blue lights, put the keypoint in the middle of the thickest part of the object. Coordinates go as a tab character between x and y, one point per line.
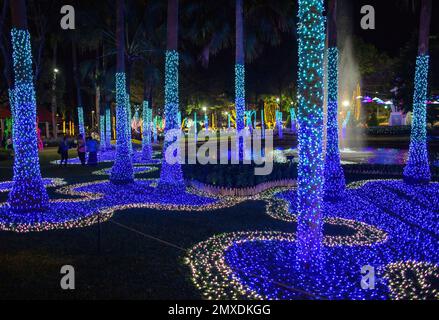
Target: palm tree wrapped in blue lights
311	33
122	171
240	76
417	169
334	175
146	132
28	193
171	176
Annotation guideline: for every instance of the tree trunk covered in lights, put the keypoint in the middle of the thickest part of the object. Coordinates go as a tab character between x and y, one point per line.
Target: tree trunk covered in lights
146	119
122	171
108	128
171	176
334	175
311	35
28	193
128	73
417	169
240	74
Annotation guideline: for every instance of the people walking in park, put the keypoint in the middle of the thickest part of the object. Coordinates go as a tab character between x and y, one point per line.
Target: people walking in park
92	149
63	150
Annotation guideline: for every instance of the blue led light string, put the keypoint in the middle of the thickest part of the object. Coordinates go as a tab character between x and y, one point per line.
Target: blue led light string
240	104
206	122
28	193
122	171
293	119
154	130
102	129
311	33
108	128
129	119
417	169
195	127
12	106
81	121
279	124
146	132
179	118
171	175
334	175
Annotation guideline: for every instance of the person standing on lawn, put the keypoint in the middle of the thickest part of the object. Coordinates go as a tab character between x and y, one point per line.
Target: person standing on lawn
81	149
92	149
63	150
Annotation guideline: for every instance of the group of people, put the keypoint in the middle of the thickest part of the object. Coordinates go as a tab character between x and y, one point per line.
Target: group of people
89	145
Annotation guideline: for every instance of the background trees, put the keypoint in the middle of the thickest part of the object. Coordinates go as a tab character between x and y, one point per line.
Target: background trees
207	42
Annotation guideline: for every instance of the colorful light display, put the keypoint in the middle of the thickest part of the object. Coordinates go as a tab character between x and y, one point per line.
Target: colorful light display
108	128
206	123
260	265
138	170
28	193
6	186
279	124
334	175
102	132
417	169
311	33
141	194
171	175
109	156
12	104
240	105
122	171
146	132
81	122
128	127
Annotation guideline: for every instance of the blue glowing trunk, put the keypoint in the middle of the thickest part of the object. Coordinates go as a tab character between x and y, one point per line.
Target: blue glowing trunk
28	193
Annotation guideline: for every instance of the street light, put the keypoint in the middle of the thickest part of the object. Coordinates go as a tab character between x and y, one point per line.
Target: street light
55	70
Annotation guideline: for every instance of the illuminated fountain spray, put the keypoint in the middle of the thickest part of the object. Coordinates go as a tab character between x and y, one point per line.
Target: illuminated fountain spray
349	79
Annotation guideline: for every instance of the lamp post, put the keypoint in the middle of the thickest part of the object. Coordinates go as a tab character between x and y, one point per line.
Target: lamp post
54	104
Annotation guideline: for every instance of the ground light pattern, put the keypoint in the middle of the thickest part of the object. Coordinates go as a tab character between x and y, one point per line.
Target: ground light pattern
138	169
6	186
96	201
395	232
